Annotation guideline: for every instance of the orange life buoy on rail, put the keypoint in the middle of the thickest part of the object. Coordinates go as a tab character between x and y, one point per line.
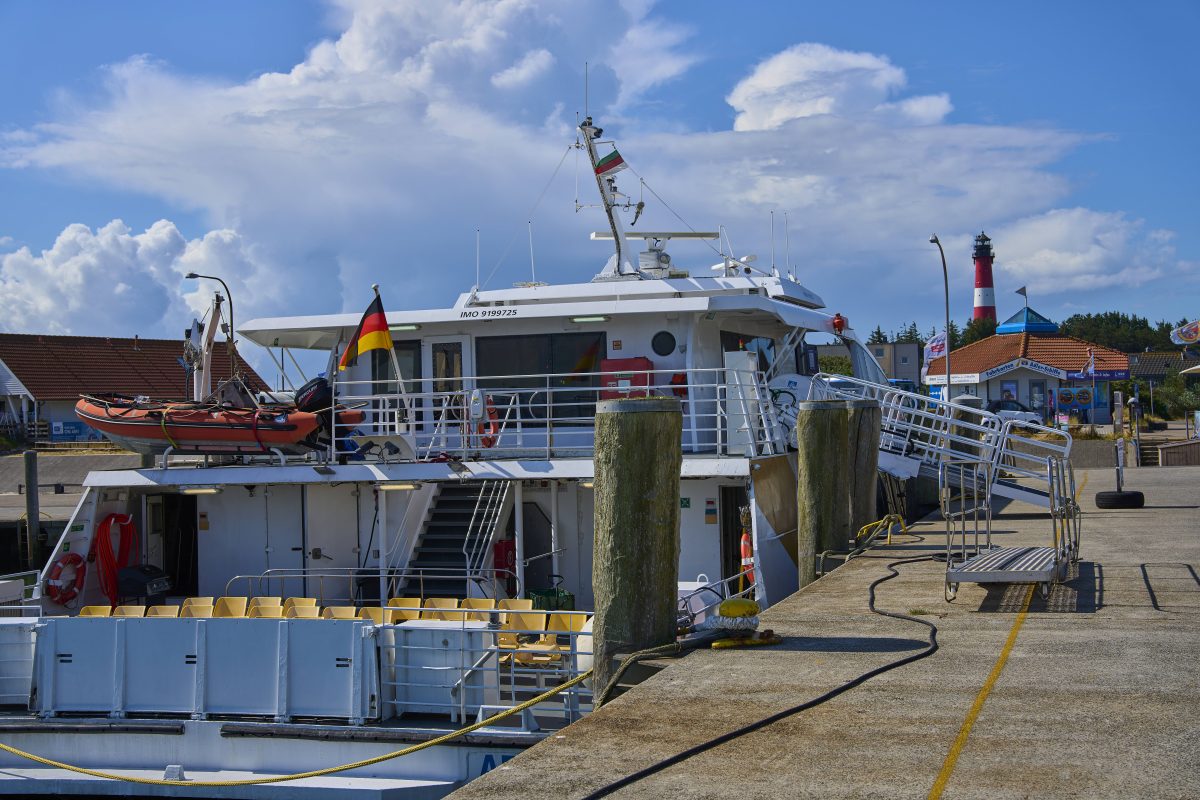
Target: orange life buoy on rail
60	591
489	431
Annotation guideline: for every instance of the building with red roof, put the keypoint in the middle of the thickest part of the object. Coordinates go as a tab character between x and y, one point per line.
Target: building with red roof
41	377
1028	361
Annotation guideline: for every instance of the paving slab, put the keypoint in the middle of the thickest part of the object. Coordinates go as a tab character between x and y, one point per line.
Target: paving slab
1098	697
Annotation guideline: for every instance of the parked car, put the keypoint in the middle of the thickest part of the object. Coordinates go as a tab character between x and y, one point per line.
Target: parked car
1011	409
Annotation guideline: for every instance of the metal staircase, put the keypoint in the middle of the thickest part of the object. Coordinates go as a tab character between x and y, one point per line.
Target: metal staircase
456	539
920	433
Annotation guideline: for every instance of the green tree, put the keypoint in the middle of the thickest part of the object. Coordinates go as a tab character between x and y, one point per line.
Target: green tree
909	333
1128	333
838	365
978	329
878	336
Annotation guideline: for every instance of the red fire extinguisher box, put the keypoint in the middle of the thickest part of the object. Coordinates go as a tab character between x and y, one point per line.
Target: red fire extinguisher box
504	559
625	377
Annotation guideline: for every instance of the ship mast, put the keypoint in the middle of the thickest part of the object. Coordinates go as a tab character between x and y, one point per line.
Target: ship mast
607	187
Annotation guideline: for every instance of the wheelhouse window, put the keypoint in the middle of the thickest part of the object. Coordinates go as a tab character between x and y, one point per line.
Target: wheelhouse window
520	364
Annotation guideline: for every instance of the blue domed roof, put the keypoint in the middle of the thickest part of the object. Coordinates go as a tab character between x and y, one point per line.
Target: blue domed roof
1027	321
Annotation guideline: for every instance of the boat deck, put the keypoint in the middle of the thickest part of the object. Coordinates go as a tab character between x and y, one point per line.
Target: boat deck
1090	693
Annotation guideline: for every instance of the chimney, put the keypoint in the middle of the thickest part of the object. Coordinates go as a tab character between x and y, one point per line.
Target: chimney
135	343
985	292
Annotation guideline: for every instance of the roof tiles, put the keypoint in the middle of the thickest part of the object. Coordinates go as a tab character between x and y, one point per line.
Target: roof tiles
64	367
1053	350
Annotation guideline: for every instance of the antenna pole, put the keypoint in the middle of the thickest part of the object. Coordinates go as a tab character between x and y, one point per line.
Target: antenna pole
605	185
585	91
787	245
477	259
772	240
532	269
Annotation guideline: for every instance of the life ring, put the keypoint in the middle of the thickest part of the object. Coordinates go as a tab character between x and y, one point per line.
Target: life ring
489	431
63	592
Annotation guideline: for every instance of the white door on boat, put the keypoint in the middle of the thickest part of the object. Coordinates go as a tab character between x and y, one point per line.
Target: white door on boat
447	363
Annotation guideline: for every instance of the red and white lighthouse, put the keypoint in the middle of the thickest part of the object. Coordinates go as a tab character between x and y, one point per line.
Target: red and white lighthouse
985	292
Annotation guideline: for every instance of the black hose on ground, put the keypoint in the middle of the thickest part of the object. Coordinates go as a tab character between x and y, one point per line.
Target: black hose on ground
929	650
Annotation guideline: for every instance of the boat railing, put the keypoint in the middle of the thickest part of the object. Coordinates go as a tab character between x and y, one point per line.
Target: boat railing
495	660
334	586
16	594
726	412
485	522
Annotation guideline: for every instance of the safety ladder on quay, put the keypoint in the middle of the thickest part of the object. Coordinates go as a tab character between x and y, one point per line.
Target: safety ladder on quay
971	557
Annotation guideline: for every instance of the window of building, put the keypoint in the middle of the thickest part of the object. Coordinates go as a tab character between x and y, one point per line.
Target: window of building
383	373
520	364
879	354
903	359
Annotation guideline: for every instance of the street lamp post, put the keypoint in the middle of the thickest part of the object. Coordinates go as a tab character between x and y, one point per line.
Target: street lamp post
233	365
945	284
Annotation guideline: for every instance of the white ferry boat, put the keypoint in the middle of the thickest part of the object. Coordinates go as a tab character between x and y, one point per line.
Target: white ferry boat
227	622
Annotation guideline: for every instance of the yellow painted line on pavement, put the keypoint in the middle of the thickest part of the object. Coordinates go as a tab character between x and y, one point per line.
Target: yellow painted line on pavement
960	741
1079	491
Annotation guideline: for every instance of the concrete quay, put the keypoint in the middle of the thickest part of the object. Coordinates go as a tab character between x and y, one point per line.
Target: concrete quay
1092	693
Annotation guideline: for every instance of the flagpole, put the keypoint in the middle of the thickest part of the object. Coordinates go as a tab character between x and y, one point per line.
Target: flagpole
396	366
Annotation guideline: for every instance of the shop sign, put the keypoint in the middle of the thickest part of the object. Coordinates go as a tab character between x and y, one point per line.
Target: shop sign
1000	370
1044	369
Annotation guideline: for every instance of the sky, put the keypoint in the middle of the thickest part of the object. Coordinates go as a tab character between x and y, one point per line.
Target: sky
304	150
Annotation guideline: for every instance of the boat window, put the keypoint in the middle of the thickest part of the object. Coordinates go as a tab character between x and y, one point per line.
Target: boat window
864	365
447	366
573	358
408	356
764	346
663	343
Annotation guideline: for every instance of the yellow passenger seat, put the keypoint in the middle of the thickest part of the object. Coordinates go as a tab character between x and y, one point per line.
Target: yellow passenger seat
339	612
303	612
230	607
197	601
129	611
95	611
380	616
481	608
441	608
162	611
196	611
405	608
292	602
513	604
265	612
264	601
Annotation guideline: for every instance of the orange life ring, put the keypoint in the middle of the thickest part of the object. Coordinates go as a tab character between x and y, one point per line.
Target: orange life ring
747	556
64	592
489	432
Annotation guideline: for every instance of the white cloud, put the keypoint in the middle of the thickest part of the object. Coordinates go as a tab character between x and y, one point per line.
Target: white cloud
532	65
1078	249
376	157
113	282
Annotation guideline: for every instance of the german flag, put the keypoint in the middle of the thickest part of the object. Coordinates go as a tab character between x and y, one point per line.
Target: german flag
372	334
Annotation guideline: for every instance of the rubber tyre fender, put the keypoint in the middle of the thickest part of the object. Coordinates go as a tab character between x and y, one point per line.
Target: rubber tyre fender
1120	499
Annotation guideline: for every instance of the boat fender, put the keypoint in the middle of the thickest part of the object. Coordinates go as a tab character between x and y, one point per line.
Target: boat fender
738	607
679	384
60	591
489	428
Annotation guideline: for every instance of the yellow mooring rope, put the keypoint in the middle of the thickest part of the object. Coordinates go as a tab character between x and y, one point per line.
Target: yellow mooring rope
316	773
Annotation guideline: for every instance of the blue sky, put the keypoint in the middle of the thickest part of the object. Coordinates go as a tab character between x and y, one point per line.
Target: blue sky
306	149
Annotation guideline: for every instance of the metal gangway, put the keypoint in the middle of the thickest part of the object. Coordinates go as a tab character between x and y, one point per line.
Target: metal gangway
965	499
919	434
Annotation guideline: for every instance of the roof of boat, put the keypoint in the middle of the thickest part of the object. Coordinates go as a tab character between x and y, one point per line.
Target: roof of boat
785	299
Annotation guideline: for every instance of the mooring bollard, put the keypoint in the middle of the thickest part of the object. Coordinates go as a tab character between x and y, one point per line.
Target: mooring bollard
822	482
635	564
864	422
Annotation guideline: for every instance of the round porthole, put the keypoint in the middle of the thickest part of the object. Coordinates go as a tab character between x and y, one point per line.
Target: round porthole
663	343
